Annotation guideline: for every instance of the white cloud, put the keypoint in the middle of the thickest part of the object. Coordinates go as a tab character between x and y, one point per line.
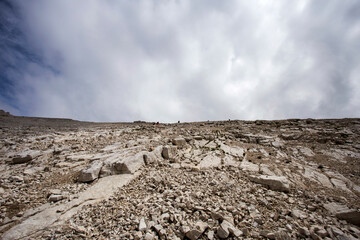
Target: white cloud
190	60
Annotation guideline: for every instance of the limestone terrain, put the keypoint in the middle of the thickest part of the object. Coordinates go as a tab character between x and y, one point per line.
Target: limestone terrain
286	179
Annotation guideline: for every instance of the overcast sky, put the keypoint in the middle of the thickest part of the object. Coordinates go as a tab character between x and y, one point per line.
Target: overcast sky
167	60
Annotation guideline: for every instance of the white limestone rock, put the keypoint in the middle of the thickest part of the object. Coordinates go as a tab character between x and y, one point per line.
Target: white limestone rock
179	141
344	213
210	161
130	164
296	213
249	166
56	197
169	152
91	173
273	182
339	184
142	225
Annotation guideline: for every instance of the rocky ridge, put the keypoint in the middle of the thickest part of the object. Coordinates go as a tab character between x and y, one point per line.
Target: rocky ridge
286	179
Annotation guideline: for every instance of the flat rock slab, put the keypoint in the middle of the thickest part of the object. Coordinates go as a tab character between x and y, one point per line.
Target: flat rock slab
234	151
25	157
344	213
130	164
53	215
210	161
339	184
273	182
316	176
249	166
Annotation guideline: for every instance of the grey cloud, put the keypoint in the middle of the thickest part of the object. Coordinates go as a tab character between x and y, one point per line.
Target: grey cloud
187	60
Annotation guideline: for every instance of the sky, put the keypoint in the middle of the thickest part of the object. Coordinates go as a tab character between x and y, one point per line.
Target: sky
170	60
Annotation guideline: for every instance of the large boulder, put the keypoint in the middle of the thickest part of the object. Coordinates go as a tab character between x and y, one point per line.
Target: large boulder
273	182
126	162
91	173
25	157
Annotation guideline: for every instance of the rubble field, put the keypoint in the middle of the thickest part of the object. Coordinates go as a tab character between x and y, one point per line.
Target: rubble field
285	179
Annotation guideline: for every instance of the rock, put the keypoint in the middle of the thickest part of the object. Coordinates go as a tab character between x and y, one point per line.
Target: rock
209	161
249	166
55	197
222	232
344	213
91	173
149	236
138	235
158	228
169	152
54	191
188	139
209	137
197	230
184	229
226	228
17	178
267	234
318	231
355	230
165	217
303	231
298	214
317	177
277	143
158	152
210	234
33	170
142	225
198	138
264	169
179	142
322	233
281	234
220	216
307	151
25	157
130	164
273	182
314	230
335	231
149	158
339	184
2	190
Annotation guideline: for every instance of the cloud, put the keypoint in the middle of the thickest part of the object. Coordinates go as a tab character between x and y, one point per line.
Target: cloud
181	60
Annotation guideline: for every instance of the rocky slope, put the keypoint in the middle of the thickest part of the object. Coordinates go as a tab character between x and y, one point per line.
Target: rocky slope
288	179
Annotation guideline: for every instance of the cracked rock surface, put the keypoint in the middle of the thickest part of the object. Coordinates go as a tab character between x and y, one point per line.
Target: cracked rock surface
288	179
